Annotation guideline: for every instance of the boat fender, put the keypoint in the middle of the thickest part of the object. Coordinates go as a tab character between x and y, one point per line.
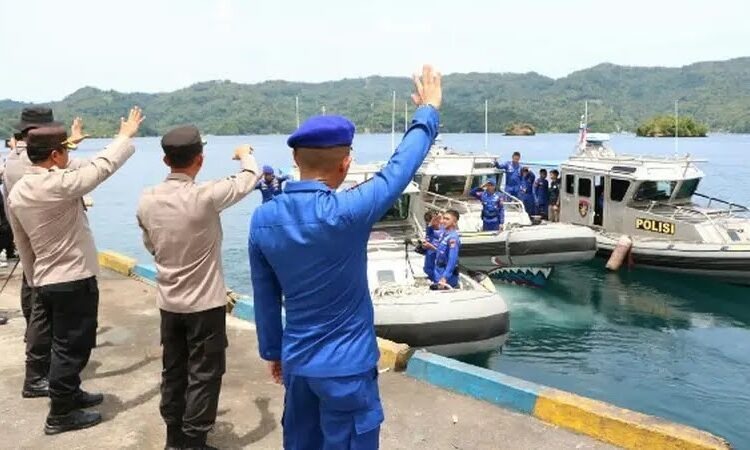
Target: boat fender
621	251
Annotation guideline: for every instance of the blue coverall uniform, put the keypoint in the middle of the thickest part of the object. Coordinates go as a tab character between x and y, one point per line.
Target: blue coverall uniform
309	247
541	197
493	211
446	262
525	193
433	237
271	189
512	176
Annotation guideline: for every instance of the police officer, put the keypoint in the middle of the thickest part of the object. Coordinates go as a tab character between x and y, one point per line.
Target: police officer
432	237
446	261
541	194
182	229
493	212
270	184
525	193
37	334
554	195
46	206
309	246
512	171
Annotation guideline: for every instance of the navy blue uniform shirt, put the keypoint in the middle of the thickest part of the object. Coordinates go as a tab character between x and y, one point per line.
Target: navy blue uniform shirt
272	189
310	246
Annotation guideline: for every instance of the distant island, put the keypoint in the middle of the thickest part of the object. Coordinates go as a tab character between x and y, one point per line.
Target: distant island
520	129
664	126
619	98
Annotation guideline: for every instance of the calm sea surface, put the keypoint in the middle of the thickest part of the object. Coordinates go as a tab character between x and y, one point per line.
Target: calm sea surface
673	346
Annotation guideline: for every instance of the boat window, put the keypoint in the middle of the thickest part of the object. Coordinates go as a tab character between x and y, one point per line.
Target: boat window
570	184
448	186
654	190
418	180
399	211
687	188
618	189
479	180
584	187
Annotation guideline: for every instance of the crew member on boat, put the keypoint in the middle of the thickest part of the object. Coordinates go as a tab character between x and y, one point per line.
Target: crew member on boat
493	212
554	195
270	184
541	194
434	231
446	261
525	193
309	247
512	171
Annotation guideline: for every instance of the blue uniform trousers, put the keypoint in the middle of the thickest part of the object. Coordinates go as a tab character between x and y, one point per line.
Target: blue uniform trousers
542	209
452	279
490	225
335	413
429	264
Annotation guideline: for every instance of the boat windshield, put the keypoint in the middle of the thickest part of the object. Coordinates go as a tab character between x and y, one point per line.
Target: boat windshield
687	189
399	211
654	191
448	185
479	180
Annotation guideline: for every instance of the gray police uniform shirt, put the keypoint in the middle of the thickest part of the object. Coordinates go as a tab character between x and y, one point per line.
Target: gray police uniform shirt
182	229
49	221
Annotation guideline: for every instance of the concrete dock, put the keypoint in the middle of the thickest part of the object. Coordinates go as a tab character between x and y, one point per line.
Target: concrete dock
126	367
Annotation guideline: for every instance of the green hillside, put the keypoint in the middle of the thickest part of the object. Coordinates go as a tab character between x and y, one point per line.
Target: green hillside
620	98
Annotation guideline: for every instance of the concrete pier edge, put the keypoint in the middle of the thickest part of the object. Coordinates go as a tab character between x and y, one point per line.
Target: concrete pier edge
600	420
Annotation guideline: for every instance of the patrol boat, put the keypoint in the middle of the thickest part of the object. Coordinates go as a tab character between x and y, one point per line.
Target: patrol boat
526	251
471	318
654	201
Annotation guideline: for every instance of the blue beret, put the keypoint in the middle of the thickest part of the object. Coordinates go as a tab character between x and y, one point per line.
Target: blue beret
267	169
323	132
492	182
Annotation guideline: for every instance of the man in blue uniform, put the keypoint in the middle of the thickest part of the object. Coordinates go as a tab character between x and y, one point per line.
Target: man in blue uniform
512	171
554	195
432	239
525	193
270	184
446	261
309	247
493	212
541	194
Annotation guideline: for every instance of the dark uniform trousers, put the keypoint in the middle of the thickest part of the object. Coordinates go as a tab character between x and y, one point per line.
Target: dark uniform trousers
27	299
194	360
60	336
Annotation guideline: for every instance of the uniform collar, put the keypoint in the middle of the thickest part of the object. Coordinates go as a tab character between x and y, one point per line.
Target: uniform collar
179	177
39	169
306	186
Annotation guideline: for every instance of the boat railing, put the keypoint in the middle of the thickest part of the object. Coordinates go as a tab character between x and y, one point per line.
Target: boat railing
730	208
440	202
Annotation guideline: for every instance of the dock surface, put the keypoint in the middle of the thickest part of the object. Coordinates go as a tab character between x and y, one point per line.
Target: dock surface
126	367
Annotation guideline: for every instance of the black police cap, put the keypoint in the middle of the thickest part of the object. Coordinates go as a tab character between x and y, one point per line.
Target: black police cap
182	139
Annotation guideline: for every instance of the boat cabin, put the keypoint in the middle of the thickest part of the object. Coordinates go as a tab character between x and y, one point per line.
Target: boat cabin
647	196
446	179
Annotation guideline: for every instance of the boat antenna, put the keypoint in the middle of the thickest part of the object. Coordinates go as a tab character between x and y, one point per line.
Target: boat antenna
676	127
486	135
296	108
393	123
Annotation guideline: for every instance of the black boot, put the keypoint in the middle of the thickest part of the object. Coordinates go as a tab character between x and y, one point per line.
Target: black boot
197	442
175	437
37	388
3	320
84	399
76	419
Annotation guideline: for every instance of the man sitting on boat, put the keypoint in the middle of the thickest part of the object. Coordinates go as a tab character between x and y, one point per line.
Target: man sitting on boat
493	212
512	171
446	260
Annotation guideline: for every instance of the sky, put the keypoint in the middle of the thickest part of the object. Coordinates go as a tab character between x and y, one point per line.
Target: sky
49	48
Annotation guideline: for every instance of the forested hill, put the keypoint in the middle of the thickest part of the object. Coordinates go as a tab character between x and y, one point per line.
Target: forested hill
620	98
